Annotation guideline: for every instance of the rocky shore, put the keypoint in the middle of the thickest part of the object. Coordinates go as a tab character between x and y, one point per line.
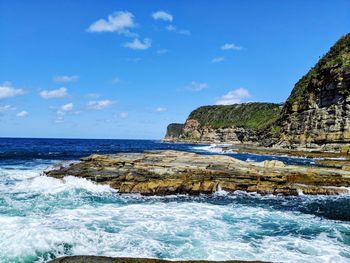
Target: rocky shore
96	259
174	172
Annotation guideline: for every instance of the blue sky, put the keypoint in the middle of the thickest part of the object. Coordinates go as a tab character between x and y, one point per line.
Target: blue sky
125	69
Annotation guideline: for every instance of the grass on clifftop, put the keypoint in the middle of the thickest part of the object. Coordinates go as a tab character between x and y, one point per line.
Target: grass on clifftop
337	57
174	130
248	115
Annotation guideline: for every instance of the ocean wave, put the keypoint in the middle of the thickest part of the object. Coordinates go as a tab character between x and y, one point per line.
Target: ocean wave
43	218
214	148
174	230
49	185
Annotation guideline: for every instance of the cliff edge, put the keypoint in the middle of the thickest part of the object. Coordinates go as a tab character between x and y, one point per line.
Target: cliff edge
316	115
237	123
317	112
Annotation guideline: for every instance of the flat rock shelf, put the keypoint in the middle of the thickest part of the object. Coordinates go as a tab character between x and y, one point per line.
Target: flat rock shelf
96	259
175	172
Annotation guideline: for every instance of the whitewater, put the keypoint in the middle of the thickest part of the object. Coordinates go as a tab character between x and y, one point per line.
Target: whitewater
44	218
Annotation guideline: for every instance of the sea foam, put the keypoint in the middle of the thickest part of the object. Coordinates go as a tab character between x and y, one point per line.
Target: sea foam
43	218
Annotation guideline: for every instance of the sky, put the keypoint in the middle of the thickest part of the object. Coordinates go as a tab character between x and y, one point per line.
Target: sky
125	69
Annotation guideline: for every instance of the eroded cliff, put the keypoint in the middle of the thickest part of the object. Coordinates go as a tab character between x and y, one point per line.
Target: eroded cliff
315	116
238	123
317	113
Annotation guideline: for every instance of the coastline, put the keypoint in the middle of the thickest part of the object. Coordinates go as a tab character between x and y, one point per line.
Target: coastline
176	172
77	216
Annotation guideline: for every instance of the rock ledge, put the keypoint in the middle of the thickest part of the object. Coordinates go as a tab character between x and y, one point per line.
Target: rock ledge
174	172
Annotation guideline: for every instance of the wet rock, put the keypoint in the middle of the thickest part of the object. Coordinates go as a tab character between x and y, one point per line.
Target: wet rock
174	172
96	259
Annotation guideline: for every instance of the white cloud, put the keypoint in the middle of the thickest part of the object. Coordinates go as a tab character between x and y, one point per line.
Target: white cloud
195	86
123	115
162	15
217	59
136	44
65	78
67	107
161	109
99	105
233	97
172	28
54	94
230	46
7	91
118	22
22	114
6	108
63	110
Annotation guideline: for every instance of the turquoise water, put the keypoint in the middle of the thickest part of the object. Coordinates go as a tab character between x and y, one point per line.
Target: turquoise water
43	218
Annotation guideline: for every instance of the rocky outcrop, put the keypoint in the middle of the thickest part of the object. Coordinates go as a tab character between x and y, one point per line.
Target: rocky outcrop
194	132
96	259
174	130
238	123
173	172
317	113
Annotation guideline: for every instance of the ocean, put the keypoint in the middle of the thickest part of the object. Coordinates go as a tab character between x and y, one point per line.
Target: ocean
44	218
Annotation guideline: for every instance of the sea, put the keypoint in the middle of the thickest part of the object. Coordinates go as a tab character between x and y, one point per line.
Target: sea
43	218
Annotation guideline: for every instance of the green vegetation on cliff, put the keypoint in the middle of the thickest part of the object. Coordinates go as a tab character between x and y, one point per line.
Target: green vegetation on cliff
174	130
316	112
328	67
248	115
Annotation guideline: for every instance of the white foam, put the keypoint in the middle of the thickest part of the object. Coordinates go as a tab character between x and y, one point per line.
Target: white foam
136	226
220	192
214	148
49	185
174	230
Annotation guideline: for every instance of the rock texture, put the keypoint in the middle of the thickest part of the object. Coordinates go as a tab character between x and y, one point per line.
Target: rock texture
317	113
173	172
238	123
174	130
96	259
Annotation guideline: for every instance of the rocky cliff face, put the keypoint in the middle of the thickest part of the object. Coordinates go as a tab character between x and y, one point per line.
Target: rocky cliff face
193	131
238	123
317	113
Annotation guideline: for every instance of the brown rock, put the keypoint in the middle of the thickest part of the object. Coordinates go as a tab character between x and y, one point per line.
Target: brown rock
173	172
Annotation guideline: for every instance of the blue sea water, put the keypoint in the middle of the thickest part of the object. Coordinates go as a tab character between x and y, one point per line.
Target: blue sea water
43	218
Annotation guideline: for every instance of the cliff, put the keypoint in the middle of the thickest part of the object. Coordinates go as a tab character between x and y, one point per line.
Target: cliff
316	115
317	112
237	123
174	130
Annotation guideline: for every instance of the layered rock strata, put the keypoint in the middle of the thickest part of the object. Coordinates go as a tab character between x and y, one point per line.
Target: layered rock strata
173	172
317	113
237	123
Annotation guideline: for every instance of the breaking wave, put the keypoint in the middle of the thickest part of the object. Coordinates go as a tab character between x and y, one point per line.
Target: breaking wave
43	218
